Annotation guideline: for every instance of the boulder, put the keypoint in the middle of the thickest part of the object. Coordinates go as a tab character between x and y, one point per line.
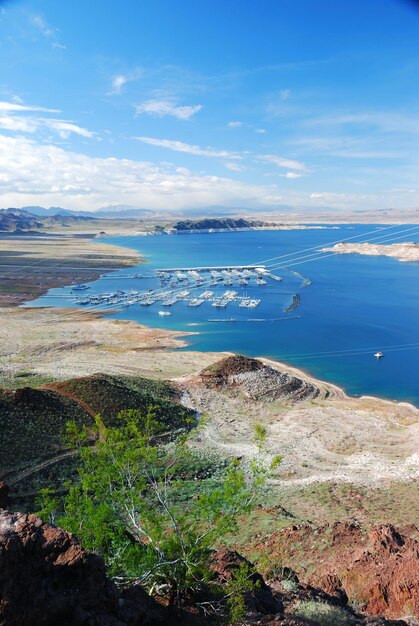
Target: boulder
47	578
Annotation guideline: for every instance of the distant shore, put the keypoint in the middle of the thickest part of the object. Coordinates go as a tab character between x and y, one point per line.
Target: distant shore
407	251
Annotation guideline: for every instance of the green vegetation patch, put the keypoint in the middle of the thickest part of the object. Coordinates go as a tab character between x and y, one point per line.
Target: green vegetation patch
324	614
33	421
32	426
108	395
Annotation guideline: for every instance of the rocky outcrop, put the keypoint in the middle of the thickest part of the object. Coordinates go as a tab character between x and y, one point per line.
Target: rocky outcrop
376	570
47	578
257	380
224	223
386	574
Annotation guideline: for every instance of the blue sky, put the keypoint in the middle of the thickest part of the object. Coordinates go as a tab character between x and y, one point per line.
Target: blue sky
172	104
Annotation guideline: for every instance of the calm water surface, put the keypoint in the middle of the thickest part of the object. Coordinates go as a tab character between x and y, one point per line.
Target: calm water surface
355	305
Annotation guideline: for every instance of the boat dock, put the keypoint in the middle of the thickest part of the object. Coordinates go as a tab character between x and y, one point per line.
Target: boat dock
193	287
208	268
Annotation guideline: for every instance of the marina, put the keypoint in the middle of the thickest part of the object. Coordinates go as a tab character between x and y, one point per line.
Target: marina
173	282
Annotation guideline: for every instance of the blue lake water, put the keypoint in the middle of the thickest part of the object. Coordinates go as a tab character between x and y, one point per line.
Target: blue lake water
354	306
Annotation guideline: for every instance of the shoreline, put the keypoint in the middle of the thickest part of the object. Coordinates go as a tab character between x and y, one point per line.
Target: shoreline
339	391
169	346
174	340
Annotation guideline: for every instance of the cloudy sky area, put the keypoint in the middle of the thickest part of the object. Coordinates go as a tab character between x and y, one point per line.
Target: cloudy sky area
169	105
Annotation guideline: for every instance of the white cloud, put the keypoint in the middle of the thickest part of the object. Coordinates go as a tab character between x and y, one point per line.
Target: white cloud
46	30
365	147
234	124
43	27
65	128
163	108
234	167
260	131
291	175
180	146
50	175
9	107
326	195
18	124
282	162
120	80
32	124
35	173
117	83
384	121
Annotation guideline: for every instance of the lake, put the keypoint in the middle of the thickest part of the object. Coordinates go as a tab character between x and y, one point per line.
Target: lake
354	306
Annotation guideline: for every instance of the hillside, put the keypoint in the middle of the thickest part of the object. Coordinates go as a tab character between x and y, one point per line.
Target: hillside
13	220
108	395
33	424
307	566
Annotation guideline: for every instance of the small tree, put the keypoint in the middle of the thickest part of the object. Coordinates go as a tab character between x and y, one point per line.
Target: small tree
130	506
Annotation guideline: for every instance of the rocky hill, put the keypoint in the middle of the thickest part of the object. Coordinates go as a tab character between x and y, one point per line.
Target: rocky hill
209	224
375	568
17	220
258	381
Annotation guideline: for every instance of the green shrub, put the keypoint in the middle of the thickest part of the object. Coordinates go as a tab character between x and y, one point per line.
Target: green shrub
129	505
323	613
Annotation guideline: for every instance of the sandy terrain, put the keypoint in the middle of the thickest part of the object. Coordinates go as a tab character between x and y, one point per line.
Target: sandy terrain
408	251
63	343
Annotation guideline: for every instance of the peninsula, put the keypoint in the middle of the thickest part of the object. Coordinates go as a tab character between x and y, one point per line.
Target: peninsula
407	251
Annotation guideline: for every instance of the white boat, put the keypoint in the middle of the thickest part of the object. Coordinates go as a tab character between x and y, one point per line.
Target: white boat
165	313
79	287
379	355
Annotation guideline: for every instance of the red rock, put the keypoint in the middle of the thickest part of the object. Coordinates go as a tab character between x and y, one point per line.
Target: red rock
377	570
47	578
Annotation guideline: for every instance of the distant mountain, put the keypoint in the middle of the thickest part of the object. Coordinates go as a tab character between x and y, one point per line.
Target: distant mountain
224	211
21	220
13	220
123	211
42	212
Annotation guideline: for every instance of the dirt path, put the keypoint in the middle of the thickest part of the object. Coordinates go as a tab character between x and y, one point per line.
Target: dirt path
40	466
70	395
